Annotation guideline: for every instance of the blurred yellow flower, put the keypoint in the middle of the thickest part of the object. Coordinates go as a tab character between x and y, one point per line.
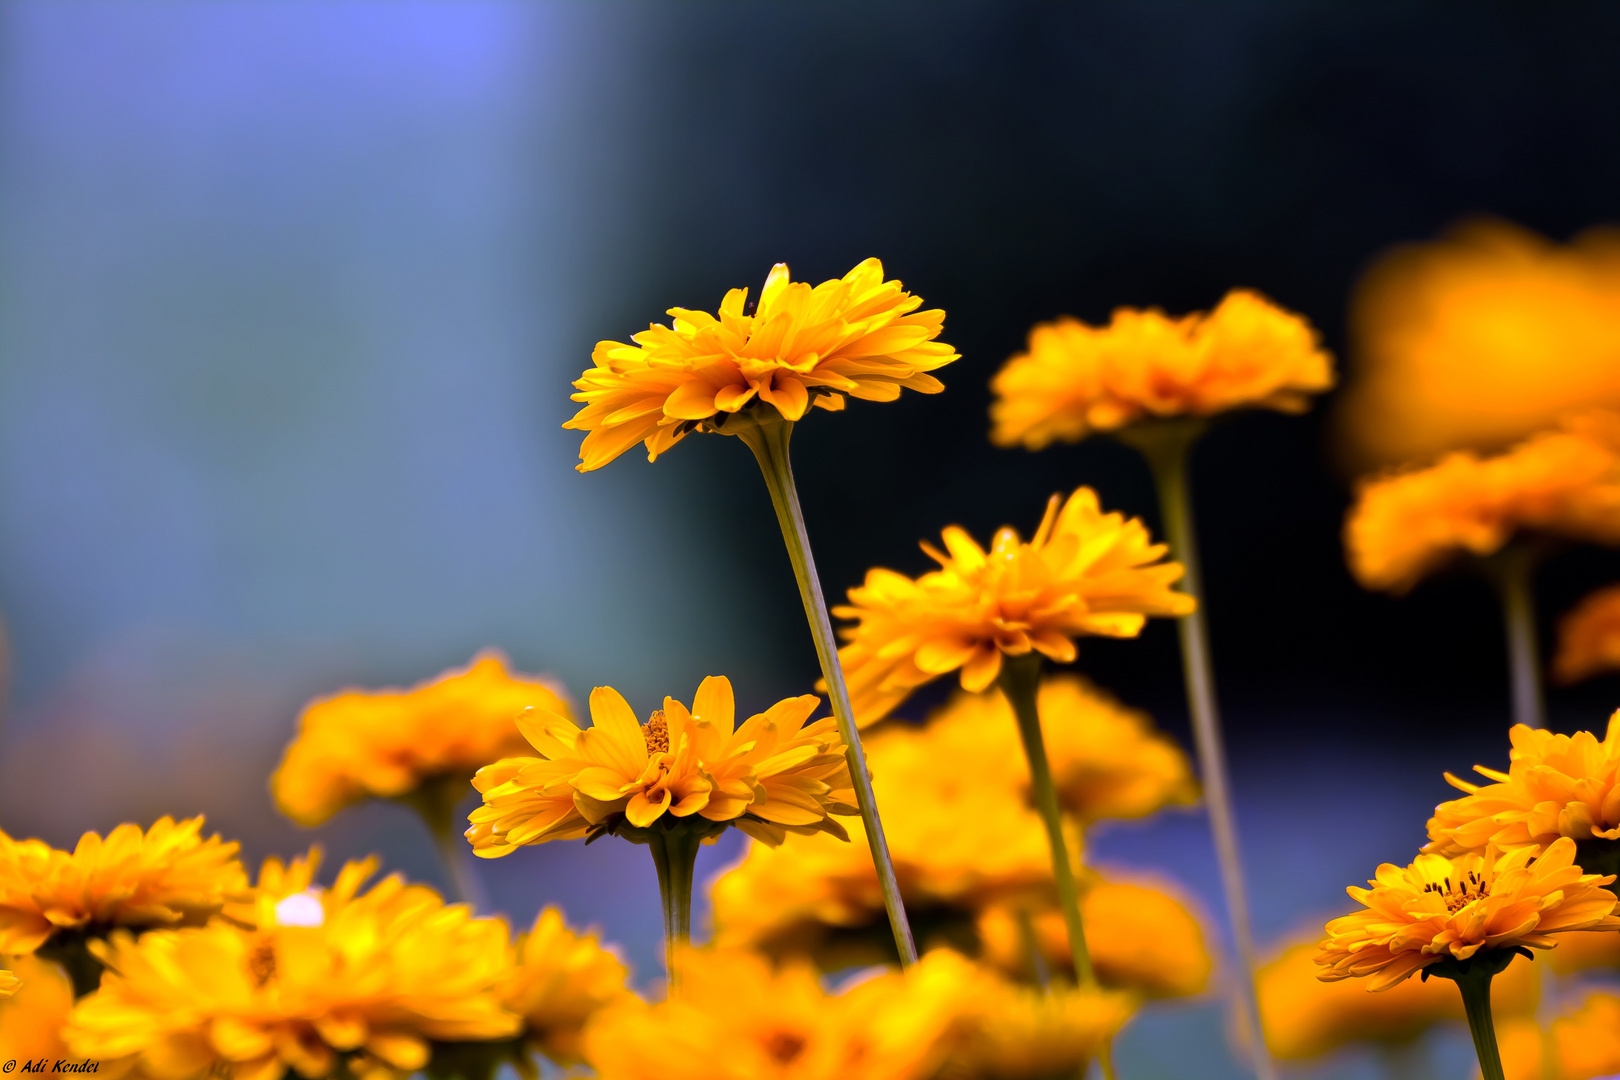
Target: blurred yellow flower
1306	1018
1556	786
1142	938
1084	572
562	979
1585	952
1439	908
1566	483
858	335
387	743
1478	339
1586	1043
1589	637
342	980
772	775
8	983
1074	379
165	876
32	1018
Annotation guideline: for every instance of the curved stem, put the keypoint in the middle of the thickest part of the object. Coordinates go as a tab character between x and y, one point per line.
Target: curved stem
1166	445
1020	681
434	801
674	854
1476	994
1512	570
769	442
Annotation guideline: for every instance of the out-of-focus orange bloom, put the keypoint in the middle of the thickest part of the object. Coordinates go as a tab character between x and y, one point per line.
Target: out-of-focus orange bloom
1478	339
1586	1043
32	1019
1589	637
563	978
1566	483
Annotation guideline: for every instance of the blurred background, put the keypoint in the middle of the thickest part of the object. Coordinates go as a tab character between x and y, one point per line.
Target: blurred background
291	296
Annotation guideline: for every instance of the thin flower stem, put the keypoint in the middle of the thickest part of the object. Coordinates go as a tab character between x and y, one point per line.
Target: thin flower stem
1513	571
769	442
674	854
1166	445
1476	995
434	801
1038	970
1020	681
457	856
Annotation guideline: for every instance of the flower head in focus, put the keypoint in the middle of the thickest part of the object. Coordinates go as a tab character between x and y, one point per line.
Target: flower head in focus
1556	786
1566	483
1589	638
361	981
168	875
1586	1043
1083	572
1074	379
772	775
1441	908
387	743
33	1015
858	335
562	979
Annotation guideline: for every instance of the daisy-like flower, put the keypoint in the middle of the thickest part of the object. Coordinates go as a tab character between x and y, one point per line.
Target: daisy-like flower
1585	1043
1565	483
1452	909
168	875
1074	379
388	743
1083	572
342	981
33	1016
772	775
1556	787
1589	638
857	335
563	978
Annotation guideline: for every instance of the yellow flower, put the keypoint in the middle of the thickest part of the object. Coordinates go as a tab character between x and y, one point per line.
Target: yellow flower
387	743
1084	572
1480	338
1565	483
858	335
562	980
1589	638
340	979
8	983
1556	786
166	876
1075	379
32	1018
1306	1018
1586	1043
1442	908
772	775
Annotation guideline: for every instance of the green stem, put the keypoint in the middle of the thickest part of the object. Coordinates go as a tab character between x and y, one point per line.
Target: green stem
1166	445
674	853
769	442
434	801
1031	943
1512	570
1476	995
1020	681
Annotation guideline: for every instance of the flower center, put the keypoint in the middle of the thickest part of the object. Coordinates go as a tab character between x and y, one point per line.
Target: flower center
656	732
1464	892
262	963
784	1047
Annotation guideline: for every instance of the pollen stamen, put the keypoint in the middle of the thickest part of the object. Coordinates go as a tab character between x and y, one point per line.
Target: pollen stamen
656	732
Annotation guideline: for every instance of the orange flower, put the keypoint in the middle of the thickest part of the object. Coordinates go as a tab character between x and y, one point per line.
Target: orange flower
1076	379
1478	339
1589	637
562	979
1084	572
387	743
31	1020
1586	1043
770	776
1439	908
857	335
1566	483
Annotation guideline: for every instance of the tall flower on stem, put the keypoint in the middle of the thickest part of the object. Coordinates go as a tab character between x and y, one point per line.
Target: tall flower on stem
755	376
1155	382
673	783
1465	919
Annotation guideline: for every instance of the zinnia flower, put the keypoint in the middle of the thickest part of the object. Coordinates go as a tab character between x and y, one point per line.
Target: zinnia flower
562	979
1480	338
1589	638
1084	572
858	335
1565	483
387	743
1556	786
1586	1043
340	980
165	876
1442	908
770	776
33	1016
1075	379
